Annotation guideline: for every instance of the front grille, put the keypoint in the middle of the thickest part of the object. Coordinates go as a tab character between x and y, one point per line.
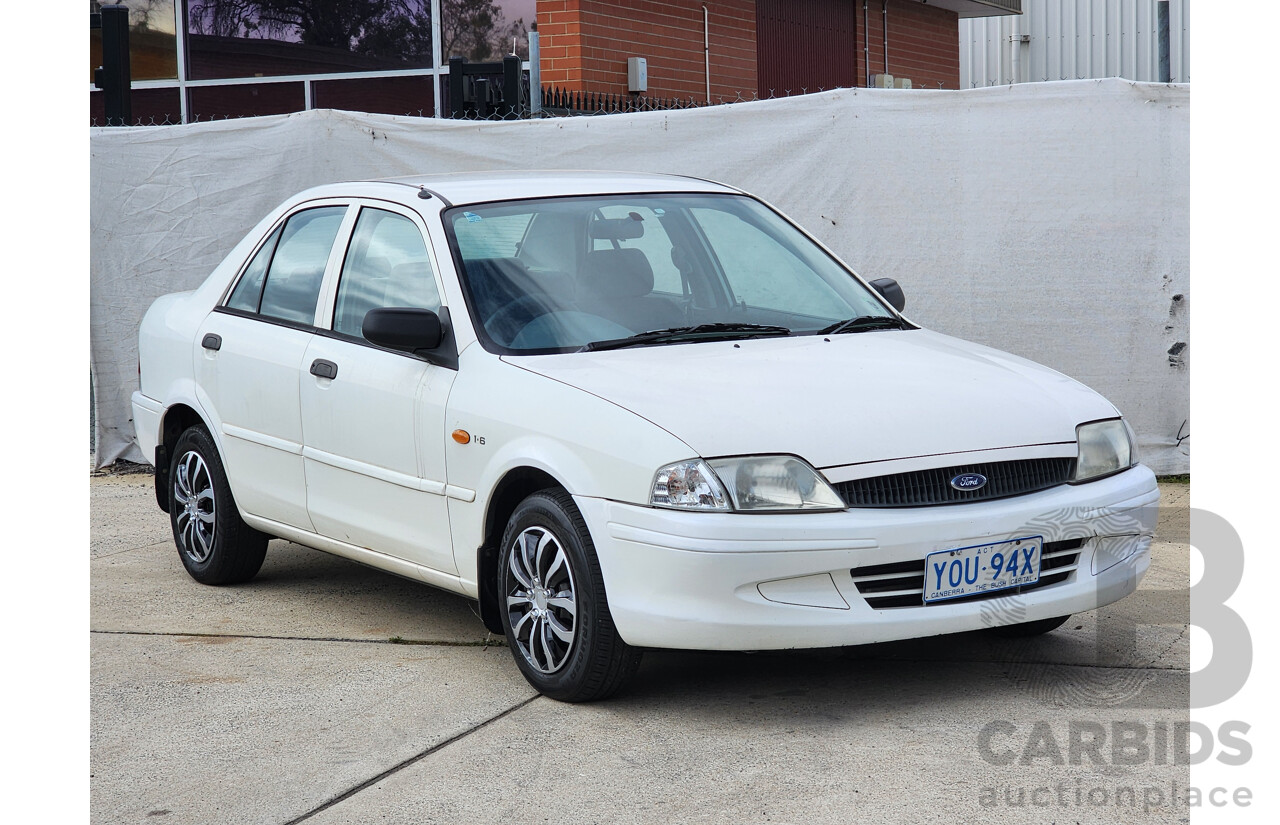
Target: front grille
925	488
901	584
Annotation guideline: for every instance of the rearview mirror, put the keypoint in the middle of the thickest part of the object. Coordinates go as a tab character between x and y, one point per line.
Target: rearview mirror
403	328
617	229
889	289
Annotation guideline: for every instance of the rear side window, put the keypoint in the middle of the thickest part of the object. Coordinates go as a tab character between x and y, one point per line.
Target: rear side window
248	293
296	268
386	266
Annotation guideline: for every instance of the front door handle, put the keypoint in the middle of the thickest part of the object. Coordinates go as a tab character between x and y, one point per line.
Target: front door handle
321	368
212	340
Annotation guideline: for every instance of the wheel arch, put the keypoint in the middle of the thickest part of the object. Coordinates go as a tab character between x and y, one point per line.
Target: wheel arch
515	486
176	420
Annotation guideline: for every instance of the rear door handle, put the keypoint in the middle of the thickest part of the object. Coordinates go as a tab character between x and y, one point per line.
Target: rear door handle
212	340
321	368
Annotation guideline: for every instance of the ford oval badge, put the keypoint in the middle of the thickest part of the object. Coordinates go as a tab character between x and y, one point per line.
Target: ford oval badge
968	482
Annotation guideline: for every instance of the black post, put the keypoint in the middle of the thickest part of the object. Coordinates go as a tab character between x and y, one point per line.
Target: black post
511	87
1162	35
112	77
457	107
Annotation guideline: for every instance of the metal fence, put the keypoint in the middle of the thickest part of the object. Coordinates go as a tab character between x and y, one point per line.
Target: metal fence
176	120
556	102
563	102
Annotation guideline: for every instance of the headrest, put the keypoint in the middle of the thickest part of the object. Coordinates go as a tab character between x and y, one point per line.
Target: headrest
618	273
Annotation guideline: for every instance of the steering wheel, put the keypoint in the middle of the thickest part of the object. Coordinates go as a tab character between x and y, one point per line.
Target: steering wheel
515	316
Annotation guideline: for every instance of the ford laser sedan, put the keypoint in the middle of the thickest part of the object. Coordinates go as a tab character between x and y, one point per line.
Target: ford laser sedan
622	412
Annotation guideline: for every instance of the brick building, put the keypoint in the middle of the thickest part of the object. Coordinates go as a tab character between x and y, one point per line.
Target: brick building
744	48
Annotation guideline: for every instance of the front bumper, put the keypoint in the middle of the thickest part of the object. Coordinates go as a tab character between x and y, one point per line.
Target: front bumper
732	581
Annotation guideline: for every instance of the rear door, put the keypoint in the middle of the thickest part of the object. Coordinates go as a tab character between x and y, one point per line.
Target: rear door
373	418
249	354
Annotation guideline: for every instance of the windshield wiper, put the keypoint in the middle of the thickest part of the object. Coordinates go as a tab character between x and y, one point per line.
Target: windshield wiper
863	323
693	333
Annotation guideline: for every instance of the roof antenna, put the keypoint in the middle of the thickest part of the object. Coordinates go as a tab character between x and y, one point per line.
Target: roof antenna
423	193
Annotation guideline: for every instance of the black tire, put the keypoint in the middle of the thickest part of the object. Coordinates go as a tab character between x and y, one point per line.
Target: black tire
214	543
549	583
1026	630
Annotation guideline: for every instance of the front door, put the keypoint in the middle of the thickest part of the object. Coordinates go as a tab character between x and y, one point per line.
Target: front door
372	418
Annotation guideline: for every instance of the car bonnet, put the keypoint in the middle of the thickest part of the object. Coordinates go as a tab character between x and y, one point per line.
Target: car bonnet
835	400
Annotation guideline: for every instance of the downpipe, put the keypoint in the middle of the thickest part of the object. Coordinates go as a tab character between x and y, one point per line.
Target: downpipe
884	27
866	44
706	49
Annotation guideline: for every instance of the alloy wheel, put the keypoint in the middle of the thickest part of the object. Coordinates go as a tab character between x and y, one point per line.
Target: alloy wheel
196	516
542	603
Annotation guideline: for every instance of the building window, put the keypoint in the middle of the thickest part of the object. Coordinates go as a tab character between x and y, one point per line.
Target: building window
192	60
484	31
245	100
153	40
384	95
256	38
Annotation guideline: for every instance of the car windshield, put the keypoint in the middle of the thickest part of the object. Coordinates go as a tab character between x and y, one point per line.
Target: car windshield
607	271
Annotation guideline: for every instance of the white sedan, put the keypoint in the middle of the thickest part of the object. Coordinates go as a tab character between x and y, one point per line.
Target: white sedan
624	411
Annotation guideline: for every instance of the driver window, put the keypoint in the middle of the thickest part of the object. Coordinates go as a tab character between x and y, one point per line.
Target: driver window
386	266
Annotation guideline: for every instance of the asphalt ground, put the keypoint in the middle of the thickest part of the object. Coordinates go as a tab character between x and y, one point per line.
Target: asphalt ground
327	692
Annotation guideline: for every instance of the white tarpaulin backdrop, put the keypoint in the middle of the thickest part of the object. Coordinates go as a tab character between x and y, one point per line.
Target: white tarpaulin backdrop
1049	219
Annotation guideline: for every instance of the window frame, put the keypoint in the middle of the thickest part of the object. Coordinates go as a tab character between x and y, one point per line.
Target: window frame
329	296
271	240
324	297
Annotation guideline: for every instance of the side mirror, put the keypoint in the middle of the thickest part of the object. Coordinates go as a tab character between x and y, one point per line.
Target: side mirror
891	292
403	328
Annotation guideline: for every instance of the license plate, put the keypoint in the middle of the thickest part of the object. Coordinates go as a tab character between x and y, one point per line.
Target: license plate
982	568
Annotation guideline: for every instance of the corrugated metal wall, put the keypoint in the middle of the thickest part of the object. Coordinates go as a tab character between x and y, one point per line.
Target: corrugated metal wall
1073	39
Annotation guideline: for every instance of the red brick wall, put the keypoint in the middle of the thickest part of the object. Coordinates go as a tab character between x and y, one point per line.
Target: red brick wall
560	42
585	45
924	43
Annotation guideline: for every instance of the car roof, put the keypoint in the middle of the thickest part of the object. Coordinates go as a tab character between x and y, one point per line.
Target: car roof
481	187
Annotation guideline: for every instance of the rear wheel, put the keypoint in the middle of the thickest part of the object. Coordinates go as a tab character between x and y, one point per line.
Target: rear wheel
553	604
1028	629
214	543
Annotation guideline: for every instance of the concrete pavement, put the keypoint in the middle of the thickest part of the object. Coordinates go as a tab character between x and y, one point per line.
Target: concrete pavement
284	700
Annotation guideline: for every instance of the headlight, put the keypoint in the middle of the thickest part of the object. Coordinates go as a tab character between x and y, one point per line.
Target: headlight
688	485
772	483
1105	448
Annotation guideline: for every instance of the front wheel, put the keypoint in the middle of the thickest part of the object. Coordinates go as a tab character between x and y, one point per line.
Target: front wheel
553	607
214	543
